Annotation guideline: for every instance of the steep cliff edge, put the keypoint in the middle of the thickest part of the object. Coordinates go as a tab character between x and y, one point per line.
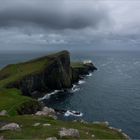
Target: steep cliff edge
44	74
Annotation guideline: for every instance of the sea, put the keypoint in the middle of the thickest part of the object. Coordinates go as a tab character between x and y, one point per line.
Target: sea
112	93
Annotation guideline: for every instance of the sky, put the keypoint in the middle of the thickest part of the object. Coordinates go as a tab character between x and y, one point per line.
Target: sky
72	24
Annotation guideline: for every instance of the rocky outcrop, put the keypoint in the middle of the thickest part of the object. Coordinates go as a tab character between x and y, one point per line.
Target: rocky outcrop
52	138
74	133
3	113
46	111
2	138
79	71
11	126
57	74
29	107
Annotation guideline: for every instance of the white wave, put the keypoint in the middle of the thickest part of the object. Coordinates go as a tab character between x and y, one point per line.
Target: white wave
47	96
74	88
81	82
89	75
73	113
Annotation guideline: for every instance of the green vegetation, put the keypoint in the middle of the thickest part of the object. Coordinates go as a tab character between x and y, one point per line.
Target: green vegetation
77	65
28	131
12	100
15	72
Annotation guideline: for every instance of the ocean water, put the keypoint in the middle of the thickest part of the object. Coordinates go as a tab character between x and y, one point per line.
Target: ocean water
112	93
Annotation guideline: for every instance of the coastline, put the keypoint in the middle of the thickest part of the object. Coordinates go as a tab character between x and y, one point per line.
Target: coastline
78	70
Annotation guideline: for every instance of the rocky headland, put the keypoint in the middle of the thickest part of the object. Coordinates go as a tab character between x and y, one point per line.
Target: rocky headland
22	84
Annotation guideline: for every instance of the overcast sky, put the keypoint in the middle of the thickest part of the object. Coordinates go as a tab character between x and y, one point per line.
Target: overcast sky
80	24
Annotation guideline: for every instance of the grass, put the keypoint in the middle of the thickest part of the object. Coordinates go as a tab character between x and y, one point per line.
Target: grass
15	72
11	100
77	65
28	131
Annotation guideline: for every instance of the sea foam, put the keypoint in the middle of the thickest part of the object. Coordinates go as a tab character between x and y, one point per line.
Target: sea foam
81	82
48	95
73	113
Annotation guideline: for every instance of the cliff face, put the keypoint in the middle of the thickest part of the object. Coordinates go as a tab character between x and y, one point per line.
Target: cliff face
54	72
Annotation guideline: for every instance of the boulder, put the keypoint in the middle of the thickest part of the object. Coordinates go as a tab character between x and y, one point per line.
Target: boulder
36	124
3	113
49	111
41	113
11	126
46	112
53	117
52	138
69	133
46	124
2	138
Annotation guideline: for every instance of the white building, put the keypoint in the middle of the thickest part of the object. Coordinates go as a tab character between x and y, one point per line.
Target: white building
87	61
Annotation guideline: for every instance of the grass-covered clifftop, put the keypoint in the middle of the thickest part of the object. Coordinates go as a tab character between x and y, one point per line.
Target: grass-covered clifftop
28	131
20	82
15	72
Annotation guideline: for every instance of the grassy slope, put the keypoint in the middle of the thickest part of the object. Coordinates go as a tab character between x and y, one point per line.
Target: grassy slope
28	131
11	100
77	65
15	72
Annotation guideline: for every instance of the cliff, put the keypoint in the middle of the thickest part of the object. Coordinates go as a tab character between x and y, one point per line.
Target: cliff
44	74
79	69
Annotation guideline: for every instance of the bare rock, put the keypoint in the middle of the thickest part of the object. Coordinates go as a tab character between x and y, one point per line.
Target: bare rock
84	122
53	117
46	124
49	111
40	113
69	133
46	111
3	113
126	136
52	138
2	138
11	126
36	124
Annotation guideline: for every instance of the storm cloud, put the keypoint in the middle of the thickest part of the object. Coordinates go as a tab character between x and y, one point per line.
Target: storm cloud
53	14
98	24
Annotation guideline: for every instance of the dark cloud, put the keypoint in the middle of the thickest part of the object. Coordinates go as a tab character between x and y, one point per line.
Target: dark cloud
52	14
95	23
